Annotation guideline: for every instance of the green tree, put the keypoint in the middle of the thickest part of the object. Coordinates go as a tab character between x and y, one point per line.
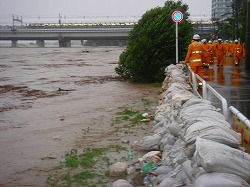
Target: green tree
151	44
242	20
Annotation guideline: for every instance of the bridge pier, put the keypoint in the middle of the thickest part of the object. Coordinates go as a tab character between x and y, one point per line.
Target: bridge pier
82	42
120	44
40	43
13	43
94	44
67	43
63	42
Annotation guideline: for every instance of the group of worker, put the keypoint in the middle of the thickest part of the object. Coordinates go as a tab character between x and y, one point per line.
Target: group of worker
202	53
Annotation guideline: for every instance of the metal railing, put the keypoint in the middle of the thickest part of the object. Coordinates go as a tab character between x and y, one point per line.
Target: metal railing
227	112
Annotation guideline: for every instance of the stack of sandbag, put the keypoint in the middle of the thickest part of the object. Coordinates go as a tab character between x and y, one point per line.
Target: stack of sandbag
199	148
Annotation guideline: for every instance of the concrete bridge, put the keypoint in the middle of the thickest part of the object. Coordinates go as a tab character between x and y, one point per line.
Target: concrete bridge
65	33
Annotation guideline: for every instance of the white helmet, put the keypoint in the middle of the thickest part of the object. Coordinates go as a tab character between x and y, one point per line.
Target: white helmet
209	41
219	40
196	37
204	41
236	41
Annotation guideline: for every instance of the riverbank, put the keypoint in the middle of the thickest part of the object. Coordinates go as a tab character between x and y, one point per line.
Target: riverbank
56	99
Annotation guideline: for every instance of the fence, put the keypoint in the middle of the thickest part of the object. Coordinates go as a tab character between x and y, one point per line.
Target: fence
238	121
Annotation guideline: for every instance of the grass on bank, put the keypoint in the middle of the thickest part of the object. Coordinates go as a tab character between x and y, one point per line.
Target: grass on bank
85	169
90	168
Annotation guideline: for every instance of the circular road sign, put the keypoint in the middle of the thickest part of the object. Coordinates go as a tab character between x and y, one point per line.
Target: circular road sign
177	16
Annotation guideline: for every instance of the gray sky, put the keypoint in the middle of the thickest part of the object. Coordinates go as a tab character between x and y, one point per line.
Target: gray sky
76	9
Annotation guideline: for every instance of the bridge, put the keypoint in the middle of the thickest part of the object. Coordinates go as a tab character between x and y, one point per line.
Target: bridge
64	33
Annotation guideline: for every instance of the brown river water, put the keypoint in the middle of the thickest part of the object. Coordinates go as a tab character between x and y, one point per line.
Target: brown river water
48	96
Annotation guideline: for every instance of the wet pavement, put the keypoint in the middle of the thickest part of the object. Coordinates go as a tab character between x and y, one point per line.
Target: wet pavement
232	82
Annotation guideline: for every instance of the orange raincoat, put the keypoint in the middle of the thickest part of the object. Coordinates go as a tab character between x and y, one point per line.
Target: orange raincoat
194	57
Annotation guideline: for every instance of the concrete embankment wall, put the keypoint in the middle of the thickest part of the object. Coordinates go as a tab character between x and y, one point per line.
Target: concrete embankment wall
198	146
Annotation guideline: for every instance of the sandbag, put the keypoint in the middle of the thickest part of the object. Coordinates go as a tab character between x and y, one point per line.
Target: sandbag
196	101
217	157
149	143
220	180
163	170
201	112
210	119
213	131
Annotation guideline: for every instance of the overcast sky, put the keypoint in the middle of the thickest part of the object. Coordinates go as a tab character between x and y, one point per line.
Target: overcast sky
199	9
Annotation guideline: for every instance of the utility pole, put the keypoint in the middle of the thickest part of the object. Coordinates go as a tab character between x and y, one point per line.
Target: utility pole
16	20
60	22
248	39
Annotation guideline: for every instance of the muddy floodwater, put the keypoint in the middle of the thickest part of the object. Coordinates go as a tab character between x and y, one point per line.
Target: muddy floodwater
49	96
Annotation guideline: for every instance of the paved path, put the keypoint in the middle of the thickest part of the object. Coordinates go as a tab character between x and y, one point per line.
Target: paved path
232	83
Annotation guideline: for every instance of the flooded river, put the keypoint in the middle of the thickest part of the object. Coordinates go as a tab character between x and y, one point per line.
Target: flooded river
48	96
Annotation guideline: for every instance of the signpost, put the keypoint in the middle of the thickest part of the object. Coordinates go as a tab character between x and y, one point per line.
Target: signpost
177	17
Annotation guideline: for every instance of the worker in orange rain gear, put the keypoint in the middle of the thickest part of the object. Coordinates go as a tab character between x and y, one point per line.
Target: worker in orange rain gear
220	52
212	47
227	57
194	55
227	48
206	53
214	44
237	49
230	49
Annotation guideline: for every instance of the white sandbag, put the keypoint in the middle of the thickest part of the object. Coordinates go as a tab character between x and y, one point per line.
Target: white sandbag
190	150
178	86
187	168
165	159
217	157
193	110
177	129
158	125
149	143
178	98
196	101
160	178
166	107
161	131
162	170
200	112
210	119
170	182
220	180
213	131
155	155
167	139
175	155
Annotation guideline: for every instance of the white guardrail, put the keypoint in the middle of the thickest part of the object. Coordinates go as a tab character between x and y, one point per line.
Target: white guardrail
227	111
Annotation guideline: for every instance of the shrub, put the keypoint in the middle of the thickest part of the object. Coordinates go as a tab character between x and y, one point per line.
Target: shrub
151	44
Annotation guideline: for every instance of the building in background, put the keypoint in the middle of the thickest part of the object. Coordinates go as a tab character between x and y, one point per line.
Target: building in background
221	8
227	17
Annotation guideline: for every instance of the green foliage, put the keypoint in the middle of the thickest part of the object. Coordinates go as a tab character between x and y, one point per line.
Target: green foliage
134	117
71	159
87	158
82	169
242	21
151	44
